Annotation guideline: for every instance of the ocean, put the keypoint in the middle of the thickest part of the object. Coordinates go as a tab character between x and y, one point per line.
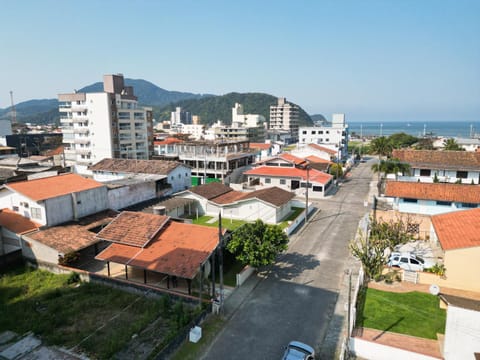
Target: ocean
417	128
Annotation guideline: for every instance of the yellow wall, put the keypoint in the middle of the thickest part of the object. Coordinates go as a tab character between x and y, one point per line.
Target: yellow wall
462	270
424	221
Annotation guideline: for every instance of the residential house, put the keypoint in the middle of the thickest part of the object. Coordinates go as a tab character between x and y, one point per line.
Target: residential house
176	253
264	150
54	200
13	225
271	205
133	181
292	174
166	147
431	198
321	151
446	166
66	242
462	329
458	235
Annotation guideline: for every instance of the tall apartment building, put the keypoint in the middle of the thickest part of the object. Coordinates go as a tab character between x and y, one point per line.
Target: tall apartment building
107	124
180	116
284	116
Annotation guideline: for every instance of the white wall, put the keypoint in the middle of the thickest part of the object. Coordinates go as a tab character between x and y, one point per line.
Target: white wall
373	351
251	210
180	178
462	333
99	115
426	207
121	197
10	199
35	250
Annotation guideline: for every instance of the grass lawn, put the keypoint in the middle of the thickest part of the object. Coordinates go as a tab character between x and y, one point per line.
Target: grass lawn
226	223
65	314
192	351
413	313
291	217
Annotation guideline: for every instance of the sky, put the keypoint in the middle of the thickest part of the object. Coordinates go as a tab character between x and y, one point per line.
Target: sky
374	60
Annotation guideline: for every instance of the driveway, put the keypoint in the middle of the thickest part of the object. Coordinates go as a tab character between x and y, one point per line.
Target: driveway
296	298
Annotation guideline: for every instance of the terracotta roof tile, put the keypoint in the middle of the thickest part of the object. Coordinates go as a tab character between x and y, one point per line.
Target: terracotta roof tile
316	159
228	198
168	141
314	176
17	223
458	229
273	195
323	148
211	190
53	186
262	146
434	191
157	167
292	158
178	250
56	151
133	228
434	159
73	236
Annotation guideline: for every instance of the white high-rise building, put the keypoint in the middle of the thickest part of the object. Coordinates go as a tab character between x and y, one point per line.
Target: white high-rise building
107	124
284	116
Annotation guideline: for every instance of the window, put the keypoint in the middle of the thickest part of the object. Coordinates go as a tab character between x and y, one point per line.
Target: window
317	188
469	205
304	132
462	174
425	172
414	201
313	132
268	181
15	208
36	213
283	181
444	203
404	260
414	262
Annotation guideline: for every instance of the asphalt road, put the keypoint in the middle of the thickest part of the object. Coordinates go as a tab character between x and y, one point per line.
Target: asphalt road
296	299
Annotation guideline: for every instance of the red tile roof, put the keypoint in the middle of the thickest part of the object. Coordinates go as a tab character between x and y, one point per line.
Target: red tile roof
316	159
323	148
17	223
293	159
56	151
73	236
168	141
50	187
211	190
178	250
434	191
272	195
133	228
458	229
261	146
287	172
434	159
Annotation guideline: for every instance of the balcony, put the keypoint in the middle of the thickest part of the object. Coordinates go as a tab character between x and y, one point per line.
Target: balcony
79	107
82	140
83	151
81	130
65	120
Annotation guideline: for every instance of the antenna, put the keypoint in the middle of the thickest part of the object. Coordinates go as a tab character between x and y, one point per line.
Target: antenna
14	111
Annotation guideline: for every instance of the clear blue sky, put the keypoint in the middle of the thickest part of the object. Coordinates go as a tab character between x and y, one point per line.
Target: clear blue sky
372	60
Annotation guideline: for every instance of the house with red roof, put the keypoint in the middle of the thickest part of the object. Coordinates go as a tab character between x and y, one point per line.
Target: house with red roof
54	200
458	235
321	151
176	253
290	173
446	166
431	198
271	205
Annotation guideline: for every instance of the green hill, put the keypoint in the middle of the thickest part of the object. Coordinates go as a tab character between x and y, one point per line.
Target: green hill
213	108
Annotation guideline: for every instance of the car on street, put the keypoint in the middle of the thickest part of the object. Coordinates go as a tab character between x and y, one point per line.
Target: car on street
409	261
297	350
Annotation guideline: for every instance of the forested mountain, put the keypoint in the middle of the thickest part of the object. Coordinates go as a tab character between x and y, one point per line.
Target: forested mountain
211	109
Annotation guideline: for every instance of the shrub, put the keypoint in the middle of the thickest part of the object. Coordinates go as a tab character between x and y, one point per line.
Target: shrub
73	278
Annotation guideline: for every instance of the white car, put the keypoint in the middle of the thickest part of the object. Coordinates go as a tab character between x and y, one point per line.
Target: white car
409	261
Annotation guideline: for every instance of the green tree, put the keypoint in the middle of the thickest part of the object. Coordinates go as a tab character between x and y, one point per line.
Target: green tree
391	166
451	144
401	140
336	169
424	144
381	146
257	244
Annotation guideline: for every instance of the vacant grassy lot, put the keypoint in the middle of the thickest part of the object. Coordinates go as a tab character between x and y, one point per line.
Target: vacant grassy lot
65	313
296	211
413	313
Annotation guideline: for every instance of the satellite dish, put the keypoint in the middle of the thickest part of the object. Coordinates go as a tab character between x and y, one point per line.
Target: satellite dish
434	289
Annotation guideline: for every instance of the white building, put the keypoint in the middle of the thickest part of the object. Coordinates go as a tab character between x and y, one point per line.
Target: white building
180	116
196	131
334	137
107	124
284	116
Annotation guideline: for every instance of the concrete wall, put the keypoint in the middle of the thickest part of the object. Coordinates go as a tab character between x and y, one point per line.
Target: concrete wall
444	176
37	251
426	207
180	178
462	333
287	186
373	351
121	197
10	199
99	115
424	221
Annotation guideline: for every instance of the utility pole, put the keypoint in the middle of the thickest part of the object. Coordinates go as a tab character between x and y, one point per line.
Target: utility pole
14	111
220	259
306	194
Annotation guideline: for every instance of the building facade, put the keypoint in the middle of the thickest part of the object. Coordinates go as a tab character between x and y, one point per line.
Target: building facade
284	116
334	137
107	124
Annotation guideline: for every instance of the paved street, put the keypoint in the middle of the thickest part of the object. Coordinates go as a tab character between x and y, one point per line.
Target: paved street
296	298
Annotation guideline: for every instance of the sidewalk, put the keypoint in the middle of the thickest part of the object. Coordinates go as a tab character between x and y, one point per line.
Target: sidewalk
235	300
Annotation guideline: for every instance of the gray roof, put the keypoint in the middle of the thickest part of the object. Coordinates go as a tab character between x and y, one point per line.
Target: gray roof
157	167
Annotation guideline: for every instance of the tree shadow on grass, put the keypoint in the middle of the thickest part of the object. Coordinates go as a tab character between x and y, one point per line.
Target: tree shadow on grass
291	265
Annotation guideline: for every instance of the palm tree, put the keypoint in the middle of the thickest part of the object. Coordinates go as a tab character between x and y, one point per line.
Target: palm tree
381	146
451	144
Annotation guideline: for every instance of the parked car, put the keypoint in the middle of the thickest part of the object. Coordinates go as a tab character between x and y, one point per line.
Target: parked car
296	350
409	261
